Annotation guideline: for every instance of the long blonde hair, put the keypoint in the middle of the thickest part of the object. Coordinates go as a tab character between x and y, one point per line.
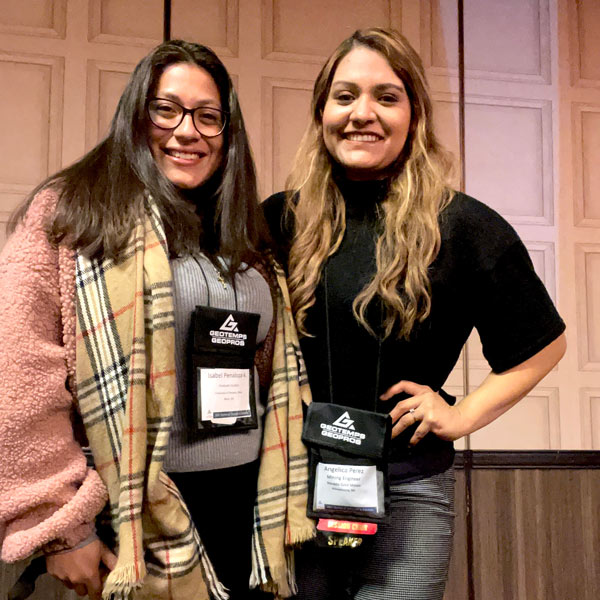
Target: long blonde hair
418	191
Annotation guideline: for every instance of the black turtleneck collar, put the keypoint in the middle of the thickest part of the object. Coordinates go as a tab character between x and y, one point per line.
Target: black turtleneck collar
362	197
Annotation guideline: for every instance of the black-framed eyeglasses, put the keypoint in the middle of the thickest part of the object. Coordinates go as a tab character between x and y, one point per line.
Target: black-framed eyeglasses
168	114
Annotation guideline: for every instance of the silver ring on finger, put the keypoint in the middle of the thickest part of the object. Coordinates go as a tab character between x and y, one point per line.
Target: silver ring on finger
412	413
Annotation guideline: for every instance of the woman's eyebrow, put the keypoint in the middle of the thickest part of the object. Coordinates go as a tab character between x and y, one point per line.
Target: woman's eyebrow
176	98
339	83
377	88
386	86
168	96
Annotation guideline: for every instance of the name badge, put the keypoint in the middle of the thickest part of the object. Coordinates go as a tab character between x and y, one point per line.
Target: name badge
222	345
224	395
347	469
339	487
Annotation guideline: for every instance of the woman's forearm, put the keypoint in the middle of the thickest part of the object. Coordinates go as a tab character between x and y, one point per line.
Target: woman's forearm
500	391
497	393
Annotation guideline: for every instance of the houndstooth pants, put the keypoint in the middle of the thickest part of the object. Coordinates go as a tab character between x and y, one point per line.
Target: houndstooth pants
407	559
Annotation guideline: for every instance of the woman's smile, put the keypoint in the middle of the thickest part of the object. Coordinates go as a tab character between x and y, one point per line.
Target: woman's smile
356	136
185	157
367	114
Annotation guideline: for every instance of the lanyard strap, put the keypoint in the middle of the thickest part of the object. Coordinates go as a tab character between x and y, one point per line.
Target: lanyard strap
221	278
328	342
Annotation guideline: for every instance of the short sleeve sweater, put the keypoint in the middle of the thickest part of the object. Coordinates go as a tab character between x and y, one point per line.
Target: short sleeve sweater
482	277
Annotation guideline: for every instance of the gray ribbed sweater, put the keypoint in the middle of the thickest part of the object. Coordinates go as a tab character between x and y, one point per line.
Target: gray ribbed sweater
188	450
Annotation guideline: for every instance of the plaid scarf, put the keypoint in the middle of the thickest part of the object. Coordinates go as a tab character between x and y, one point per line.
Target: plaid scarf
280	519
126	392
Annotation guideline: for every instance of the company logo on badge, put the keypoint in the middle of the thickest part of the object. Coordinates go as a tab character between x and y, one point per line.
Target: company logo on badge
228	334
343	429
344	421
229	324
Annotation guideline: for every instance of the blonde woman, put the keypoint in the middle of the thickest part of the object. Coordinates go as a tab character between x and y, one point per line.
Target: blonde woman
389	271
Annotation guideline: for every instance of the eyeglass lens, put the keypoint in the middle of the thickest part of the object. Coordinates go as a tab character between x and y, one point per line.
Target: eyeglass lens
168	115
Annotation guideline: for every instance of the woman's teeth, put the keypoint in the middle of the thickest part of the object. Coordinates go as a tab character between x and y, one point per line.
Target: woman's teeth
362	137
183	155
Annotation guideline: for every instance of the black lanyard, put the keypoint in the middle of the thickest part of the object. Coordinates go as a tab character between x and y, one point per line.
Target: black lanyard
328	341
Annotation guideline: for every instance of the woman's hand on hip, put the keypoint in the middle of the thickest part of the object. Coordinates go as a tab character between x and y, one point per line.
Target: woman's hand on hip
80	569
497	393
428	408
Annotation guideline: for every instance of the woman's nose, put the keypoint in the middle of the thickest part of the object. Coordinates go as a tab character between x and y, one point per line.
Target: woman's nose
362	109
186	128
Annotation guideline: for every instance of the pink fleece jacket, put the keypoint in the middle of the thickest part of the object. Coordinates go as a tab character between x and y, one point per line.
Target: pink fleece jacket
48	496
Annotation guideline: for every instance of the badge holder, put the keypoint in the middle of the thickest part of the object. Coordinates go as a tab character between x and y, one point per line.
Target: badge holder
348	474
222	345
348	487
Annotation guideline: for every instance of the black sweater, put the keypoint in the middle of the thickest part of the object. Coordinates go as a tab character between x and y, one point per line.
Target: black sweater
482	277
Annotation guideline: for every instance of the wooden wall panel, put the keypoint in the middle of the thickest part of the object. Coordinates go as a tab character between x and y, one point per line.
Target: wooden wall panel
286	112
561	548
590	126
216	25
595	419
579	250
586	158
445	116
135	22
495	545
536	534
588	300
105	84
440	32
533	424
509	157
30	97
42	18
589	499
305	31
507	41
590	418
584	15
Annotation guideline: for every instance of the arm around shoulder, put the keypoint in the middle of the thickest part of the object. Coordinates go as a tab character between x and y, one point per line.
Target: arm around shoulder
48	495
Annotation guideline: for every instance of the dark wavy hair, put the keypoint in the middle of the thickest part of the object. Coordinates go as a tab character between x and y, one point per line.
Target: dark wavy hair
101	196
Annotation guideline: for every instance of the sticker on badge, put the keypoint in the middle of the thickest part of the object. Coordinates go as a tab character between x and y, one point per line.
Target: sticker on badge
347	526
224	395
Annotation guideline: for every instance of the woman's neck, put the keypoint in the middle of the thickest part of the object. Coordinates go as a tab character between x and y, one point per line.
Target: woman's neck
361	197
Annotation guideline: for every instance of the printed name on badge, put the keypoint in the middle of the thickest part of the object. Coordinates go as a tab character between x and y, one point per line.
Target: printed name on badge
346	486
225	394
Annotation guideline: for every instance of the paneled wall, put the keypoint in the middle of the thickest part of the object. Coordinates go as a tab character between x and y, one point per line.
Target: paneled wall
535	532
532	110
510	142
532	126
580	187
63	65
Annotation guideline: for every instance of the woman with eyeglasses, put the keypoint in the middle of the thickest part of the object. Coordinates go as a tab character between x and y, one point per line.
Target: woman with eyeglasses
142	317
